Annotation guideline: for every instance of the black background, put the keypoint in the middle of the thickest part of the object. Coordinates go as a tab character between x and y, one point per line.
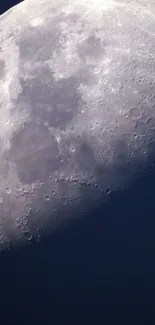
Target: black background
7	4
100	271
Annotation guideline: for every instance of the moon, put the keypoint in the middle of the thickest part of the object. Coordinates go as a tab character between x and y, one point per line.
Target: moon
77	118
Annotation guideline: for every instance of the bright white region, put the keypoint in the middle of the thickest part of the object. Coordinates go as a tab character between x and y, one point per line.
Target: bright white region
37	22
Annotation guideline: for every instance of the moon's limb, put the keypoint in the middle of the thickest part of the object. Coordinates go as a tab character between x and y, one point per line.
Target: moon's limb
77	117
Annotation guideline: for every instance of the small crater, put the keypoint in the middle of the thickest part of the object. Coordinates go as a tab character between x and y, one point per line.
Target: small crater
63	200
47	197
108	191
8	190
72	149
26	191
27	235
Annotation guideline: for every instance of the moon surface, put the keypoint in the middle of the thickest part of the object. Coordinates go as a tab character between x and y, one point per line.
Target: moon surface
77	109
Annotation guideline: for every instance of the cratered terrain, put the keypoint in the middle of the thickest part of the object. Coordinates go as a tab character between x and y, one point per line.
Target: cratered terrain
77	116
77	123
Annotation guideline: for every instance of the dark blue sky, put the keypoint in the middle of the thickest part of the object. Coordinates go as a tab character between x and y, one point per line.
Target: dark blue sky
100	271
7	4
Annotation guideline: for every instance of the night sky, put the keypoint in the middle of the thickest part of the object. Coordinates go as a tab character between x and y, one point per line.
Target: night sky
100	271
7	4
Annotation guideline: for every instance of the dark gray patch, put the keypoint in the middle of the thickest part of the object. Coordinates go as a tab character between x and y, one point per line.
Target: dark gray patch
55	102
83	156
38	43
2	69
91	47
35	153
34	150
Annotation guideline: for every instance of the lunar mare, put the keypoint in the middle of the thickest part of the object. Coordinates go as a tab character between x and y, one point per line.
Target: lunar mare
77	118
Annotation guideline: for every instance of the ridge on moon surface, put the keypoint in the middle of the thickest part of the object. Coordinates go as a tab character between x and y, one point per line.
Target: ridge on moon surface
77	117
